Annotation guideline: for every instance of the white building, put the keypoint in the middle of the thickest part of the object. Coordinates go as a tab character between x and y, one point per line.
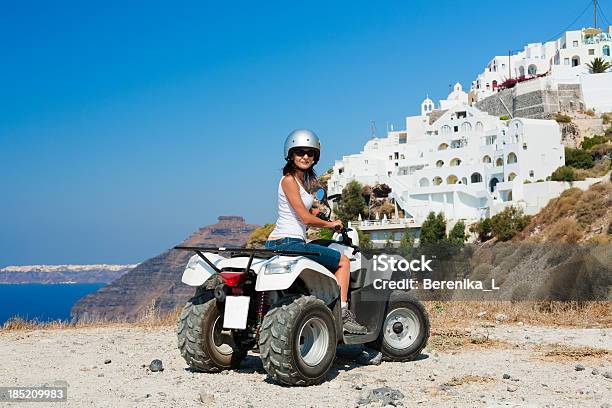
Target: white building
467	163
564	59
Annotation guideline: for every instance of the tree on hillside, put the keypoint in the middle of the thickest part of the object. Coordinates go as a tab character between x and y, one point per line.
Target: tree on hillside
506	224
482	228
433	230
351	203
457	233
599	65
578	158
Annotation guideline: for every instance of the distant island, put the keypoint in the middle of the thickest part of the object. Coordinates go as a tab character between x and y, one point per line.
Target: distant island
62	274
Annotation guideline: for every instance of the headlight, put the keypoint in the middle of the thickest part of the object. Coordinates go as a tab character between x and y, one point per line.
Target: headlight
279	267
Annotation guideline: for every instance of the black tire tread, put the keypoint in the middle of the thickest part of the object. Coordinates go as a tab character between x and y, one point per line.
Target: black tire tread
190	337
273	338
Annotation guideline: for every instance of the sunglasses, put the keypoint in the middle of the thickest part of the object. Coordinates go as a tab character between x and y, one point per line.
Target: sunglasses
302	152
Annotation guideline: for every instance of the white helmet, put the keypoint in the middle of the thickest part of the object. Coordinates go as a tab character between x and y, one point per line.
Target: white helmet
302	138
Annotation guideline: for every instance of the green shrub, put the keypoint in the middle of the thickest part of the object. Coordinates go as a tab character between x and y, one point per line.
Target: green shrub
482	228
508	223
526	182
504	117
606	118
433	230
589	142
365	242
578	158
563	173
457	233
539	181
326	233
351	203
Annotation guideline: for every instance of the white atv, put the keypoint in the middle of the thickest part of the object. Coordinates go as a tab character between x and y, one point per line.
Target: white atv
287	307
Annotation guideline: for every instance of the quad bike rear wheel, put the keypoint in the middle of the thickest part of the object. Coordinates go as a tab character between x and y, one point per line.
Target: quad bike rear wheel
201	341
297	341
405	331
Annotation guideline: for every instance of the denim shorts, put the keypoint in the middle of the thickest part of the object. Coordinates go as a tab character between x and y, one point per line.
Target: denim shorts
329	258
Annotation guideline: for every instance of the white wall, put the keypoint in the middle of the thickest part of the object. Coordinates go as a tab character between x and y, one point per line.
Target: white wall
597	91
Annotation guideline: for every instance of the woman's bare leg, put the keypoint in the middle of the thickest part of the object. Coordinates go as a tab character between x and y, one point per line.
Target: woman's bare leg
343	276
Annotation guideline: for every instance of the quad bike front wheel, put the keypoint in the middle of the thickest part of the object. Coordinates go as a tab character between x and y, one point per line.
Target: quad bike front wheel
201	340
405	331
297	341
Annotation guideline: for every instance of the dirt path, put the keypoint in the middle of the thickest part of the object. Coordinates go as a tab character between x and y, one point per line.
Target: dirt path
457	369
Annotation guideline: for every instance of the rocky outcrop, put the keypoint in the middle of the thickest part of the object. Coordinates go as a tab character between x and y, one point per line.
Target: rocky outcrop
156	282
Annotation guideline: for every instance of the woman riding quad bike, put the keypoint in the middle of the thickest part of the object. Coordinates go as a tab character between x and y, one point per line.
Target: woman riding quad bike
290	301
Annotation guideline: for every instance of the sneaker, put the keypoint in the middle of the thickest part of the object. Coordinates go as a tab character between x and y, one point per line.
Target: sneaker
350	324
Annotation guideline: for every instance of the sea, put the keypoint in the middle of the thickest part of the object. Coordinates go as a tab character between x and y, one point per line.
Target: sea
42	302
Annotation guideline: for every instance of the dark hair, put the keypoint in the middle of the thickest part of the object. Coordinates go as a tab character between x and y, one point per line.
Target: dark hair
310	177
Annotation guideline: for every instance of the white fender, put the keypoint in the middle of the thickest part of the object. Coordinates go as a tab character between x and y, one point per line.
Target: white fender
197	271
280	272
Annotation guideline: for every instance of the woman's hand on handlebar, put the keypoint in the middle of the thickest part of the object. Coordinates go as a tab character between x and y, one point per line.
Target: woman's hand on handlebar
336	225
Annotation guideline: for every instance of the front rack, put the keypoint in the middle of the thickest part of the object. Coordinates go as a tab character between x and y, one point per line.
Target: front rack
250	251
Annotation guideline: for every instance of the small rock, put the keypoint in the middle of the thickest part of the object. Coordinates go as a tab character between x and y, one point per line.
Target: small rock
520	323
100	375
207	398
107	361
500	317
478	339
156	365
595	371
386	396
370	357
481	314
511	388
579	367
605	405
506	376
608	375
148	396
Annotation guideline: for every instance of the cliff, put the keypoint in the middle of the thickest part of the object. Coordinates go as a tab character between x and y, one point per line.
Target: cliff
156	282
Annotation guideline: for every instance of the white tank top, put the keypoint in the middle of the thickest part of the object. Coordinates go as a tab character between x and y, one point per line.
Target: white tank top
289	224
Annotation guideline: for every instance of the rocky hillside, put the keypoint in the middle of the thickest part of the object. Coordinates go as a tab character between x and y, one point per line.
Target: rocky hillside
156	282
62	273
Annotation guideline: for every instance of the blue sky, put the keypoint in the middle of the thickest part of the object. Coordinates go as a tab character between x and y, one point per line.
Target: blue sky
123	128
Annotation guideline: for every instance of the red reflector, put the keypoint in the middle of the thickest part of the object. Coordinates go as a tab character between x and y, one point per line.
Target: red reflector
233	278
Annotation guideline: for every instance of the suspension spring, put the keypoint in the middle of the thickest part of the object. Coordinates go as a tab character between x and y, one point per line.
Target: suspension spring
262	305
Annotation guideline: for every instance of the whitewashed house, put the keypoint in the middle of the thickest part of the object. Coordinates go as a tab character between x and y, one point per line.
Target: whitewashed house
466	163
564	60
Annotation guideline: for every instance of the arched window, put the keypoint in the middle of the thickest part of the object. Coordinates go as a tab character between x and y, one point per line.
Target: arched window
463	180
476	178
479	127
437	181
575	61
606	50
466	127
493	183
511	176
499	162
512	158
424	182
455	162
532	69
443	146
452	179
445	130
486	159
521	71
439	163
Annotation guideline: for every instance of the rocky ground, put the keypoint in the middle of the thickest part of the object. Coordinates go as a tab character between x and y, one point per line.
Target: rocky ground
483	365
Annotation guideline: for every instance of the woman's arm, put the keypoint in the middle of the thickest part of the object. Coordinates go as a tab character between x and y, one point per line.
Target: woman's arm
292	192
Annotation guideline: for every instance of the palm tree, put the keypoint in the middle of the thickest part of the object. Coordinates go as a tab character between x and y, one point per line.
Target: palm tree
599	65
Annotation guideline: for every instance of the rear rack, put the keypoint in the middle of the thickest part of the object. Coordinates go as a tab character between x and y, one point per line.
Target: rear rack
250	251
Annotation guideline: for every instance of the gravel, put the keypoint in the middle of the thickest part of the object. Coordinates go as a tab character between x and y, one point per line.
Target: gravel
479	368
